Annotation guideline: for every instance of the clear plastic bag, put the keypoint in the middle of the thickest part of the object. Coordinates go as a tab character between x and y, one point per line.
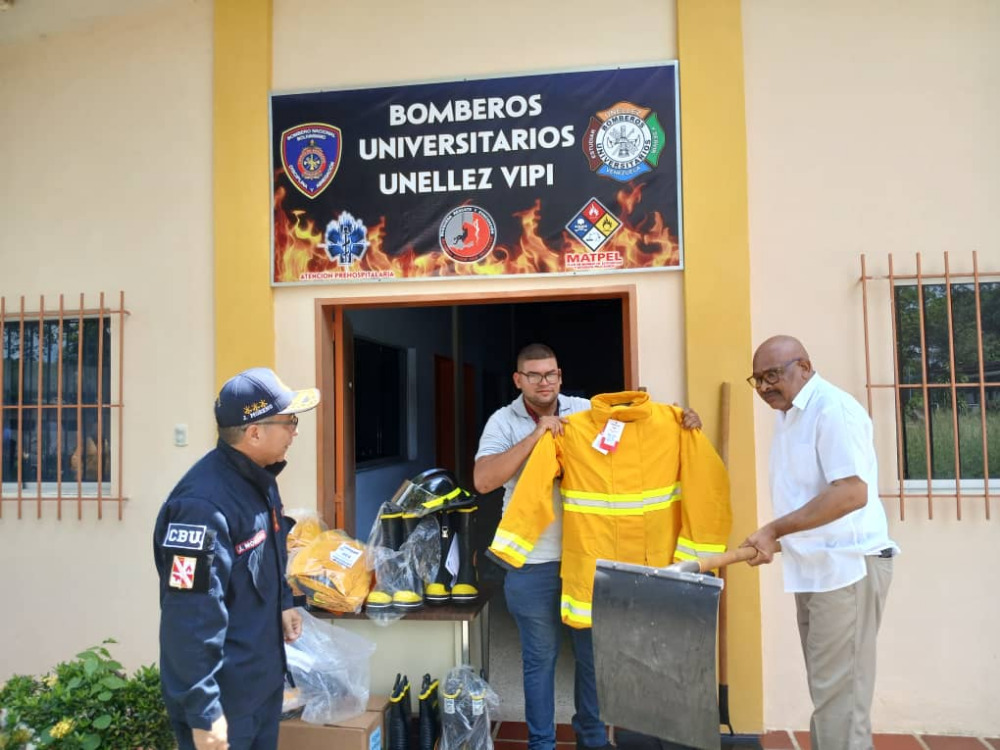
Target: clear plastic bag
466	700
330	571
400	574
331	670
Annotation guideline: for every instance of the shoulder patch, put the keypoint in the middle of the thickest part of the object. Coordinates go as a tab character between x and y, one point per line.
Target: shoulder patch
186	536
189	574
182	572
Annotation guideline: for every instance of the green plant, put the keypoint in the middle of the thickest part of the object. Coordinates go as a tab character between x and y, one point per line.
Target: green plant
85	704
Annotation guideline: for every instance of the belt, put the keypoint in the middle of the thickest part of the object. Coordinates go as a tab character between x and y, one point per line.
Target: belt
887	552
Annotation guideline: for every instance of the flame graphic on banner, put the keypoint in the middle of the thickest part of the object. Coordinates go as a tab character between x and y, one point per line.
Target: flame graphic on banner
299	247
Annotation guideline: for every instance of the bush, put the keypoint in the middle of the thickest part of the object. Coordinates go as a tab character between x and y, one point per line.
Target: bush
85	704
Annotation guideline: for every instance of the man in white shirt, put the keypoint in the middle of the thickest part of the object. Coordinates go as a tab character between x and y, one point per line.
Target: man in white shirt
533	591
837	555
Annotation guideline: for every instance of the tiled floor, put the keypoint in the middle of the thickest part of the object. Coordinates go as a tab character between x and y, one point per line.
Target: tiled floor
800	741
513	735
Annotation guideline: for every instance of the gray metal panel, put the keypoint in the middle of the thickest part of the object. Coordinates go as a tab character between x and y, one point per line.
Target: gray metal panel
654	652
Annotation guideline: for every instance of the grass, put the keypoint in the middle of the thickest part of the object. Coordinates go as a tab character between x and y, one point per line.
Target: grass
970	443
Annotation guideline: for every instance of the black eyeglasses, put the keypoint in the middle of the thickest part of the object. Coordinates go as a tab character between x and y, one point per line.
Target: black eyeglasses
771	376
552	376
292	421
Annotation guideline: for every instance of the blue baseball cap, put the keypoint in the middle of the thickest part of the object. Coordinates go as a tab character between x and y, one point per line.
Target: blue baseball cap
257	394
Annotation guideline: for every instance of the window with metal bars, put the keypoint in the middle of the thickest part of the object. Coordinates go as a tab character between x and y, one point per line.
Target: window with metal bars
944	356
931	415
60	405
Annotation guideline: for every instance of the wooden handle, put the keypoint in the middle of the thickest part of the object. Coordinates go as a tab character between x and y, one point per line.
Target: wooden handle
740	554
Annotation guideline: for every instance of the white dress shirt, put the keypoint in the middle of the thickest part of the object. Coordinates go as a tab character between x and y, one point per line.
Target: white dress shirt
826	435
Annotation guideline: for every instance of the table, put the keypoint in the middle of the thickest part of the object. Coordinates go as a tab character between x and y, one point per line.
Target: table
462	615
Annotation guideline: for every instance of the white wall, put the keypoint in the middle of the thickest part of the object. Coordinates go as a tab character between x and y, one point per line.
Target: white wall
105	138
872	128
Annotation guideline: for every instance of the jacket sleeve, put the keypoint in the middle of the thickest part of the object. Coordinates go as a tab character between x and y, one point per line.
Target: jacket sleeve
193	622
530	510
706	514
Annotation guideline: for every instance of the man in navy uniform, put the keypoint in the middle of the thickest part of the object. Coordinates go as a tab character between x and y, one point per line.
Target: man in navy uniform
219	547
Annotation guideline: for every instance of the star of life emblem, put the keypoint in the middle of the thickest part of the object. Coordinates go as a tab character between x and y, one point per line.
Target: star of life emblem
623	141
182	572
346	239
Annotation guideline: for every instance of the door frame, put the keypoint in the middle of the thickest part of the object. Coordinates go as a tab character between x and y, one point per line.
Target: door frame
333	476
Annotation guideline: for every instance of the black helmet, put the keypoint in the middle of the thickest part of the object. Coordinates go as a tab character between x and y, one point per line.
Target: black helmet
431	491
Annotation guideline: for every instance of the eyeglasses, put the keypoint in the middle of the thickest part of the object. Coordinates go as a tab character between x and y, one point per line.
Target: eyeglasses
552	376
771	376
292	421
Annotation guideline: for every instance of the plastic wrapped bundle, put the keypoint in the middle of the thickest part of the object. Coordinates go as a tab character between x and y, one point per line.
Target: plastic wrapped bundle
331	671
403	552
330	570
466	700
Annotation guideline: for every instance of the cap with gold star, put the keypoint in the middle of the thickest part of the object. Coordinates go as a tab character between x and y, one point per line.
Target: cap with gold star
258	393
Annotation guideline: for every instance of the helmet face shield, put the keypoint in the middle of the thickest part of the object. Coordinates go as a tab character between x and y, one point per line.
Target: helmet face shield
430	495
412	498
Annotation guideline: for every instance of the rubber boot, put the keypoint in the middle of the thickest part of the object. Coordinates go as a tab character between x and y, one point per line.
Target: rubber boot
407	600
454	732
439	590
391	519
399	714
466	590
429	714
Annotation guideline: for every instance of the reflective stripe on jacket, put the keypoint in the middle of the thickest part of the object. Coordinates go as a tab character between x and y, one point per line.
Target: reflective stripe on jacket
661	496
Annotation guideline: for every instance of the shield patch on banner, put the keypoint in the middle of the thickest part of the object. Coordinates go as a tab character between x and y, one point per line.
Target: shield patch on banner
310	154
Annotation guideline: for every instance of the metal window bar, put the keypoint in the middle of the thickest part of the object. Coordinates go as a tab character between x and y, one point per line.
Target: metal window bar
81	315
925	386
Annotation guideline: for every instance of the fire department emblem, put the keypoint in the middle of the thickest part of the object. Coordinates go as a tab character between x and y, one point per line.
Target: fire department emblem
623	141
310	154
182	572
346	239
467	234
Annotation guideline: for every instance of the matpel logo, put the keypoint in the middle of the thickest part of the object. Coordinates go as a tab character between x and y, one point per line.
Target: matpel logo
467	234
593	225
623	141
310	154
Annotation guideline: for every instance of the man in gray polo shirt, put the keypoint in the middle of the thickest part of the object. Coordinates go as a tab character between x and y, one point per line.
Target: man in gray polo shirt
533	591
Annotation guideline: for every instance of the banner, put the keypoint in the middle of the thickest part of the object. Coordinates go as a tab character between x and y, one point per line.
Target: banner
561	173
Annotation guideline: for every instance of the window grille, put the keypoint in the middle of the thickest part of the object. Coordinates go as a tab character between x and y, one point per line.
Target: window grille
61	413
945	382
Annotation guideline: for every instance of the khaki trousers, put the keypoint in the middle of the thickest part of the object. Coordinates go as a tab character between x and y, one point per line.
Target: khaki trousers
838	631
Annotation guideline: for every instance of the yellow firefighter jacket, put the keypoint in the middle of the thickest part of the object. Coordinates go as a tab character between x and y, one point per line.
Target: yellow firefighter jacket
661	496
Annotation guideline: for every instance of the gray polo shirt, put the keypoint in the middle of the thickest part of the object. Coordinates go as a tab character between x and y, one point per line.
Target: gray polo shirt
507	427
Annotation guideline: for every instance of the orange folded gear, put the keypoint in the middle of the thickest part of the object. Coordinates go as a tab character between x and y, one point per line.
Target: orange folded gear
331	572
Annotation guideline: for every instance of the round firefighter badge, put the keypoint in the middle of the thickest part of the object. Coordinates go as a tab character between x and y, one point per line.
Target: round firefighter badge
467	234
623	141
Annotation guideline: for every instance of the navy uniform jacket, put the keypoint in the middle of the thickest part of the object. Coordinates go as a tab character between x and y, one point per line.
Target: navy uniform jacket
219	547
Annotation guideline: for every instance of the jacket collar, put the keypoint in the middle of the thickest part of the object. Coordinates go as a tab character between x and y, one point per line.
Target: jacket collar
626	406
262	476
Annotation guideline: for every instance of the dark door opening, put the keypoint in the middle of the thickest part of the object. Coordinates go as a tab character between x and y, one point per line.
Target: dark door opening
441	416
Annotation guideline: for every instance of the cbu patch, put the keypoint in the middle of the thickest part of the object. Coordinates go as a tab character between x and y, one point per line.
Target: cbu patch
255	541
185	536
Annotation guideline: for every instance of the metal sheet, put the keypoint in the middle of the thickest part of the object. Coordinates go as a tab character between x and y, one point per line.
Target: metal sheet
654	652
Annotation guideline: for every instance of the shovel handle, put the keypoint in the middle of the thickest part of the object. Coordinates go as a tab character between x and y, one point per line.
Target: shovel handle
740	554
